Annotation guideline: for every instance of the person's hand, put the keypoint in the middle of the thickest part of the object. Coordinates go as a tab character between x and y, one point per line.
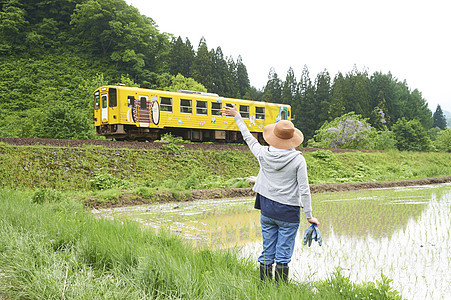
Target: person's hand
230	111
313	220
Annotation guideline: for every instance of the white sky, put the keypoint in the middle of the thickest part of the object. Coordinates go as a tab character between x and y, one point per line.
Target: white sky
409	38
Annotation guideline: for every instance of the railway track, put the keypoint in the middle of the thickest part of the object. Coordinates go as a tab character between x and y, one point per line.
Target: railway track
139	145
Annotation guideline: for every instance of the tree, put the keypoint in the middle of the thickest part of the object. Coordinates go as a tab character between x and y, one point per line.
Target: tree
61	121
361	93
242	76
118	31
289	88
439	118
337	104
181	57
12	25
231	80
273	88
202	68
322	97
381	87
443	142
411	136
304	106
180	82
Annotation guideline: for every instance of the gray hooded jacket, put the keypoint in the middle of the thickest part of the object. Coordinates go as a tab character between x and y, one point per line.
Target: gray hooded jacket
282	176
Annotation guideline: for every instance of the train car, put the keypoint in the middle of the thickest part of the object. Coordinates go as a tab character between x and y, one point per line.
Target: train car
130	113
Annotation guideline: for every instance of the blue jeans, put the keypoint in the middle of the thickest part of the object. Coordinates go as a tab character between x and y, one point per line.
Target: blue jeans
278	240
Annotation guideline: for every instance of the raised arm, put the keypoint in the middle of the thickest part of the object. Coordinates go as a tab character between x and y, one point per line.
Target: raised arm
250	140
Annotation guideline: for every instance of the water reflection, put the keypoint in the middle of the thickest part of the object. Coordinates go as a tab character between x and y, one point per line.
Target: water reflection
403	233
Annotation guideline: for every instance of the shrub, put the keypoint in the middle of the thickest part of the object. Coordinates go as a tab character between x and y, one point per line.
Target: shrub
348	131
443	142
411	136
383	140
106	181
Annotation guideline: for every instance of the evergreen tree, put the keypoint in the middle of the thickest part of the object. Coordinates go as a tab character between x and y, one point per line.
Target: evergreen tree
361	93
304	110
439	118
381	87
233	89
180	58
220	72
322	97
289	88
242	76
419	109
337	105
202	68
273	89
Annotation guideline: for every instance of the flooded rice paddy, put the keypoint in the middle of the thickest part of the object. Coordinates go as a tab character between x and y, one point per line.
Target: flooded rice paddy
404	233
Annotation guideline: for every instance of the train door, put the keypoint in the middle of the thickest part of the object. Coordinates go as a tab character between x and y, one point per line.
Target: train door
144	111
104	104
284	113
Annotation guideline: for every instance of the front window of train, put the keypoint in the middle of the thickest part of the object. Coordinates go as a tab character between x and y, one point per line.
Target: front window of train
97	100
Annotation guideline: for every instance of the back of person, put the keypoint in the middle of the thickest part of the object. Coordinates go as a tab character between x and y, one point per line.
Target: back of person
282	189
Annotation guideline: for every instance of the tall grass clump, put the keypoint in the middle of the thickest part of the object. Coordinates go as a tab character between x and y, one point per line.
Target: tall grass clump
70	254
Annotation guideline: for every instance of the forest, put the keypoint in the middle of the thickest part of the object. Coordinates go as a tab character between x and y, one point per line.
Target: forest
54	53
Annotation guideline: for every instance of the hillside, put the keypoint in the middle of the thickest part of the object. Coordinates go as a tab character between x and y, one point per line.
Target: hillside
53	54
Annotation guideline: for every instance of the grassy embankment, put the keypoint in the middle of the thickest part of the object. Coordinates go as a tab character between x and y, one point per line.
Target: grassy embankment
52	248
108	174
59	251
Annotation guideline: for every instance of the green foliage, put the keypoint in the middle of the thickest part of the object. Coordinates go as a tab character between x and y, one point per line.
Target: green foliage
179	82
46	196
411	136
173	149
443	142
439	118
51	52
60	121
106	182
383	140
169	138
349	131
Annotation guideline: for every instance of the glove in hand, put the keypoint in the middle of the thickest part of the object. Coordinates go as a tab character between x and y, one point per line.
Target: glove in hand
312	233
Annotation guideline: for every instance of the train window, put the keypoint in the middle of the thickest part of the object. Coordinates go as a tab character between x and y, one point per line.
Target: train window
112	96
96	100
259	113
104	101
131	101
216	108
166	104
201	107
143	103
244	111
186	106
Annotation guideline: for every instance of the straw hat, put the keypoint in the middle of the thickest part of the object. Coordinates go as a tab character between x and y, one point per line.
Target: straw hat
283	135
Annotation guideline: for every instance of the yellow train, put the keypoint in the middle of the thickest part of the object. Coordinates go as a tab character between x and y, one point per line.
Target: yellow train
129	113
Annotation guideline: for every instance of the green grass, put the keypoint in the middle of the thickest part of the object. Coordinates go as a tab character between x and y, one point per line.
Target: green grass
56	250
145	173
